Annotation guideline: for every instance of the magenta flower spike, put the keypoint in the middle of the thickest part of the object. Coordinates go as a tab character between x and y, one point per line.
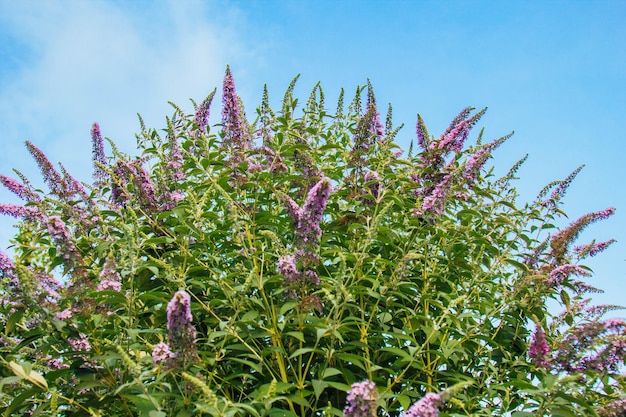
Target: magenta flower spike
539	349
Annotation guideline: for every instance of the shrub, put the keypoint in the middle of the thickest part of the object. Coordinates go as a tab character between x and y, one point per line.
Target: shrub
300	265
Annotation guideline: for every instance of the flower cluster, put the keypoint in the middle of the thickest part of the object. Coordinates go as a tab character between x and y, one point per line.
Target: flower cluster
361	400
181	333
23	191
538	350
99	158
373	182
595	345
80	343
110	279
428	406
615	408
562	240
307	218
561	273
161	353
201	118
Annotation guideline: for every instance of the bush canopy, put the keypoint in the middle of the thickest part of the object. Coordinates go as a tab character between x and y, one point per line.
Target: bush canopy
300	264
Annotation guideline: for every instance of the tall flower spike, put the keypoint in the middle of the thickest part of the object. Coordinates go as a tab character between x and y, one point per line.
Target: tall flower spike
539	349
235	134
307	218
479	159
23	191
22	212
561	241
50	175
203	112
99	158
423	139
181	332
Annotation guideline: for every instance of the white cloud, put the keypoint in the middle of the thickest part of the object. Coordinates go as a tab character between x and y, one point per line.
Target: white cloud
82	62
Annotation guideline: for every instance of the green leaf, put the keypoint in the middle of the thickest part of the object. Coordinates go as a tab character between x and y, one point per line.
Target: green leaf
318	387
25	371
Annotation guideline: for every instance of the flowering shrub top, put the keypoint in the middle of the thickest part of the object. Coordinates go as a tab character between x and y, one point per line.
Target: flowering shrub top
299	265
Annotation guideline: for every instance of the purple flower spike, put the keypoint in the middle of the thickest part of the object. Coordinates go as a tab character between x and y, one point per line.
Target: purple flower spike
561	241
539	349
361	400
179	311
203	113
181	332
558	275
21	212
22	191
99	158
7	269
50	175
235	134
426	407
307	218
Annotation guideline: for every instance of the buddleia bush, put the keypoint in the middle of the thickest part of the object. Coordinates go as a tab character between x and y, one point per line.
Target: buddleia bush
299	263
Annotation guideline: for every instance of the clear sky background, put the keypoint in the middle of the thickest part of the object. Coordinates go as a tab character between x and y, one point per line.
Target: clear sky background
552	71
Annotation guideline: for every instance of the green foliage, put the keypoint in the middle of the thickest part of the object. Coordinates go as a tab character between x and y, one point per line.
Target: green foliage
419	274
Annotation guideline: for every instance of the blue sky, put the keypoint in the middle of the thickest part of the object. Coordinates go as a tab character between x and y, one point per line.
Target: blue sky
552	71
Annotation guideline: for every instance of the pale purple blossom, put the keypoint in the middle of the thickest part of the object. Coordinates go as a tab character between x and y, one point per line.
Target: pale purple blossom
561	188
361	400
594	346
592	249
426	407
372	180
20	212
161	353
308	217
203	112
80	343
434	202
7	269
64	314
235	133
110	279
23	191
423	139
288	269
56	363
615	408
560	274
181	332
